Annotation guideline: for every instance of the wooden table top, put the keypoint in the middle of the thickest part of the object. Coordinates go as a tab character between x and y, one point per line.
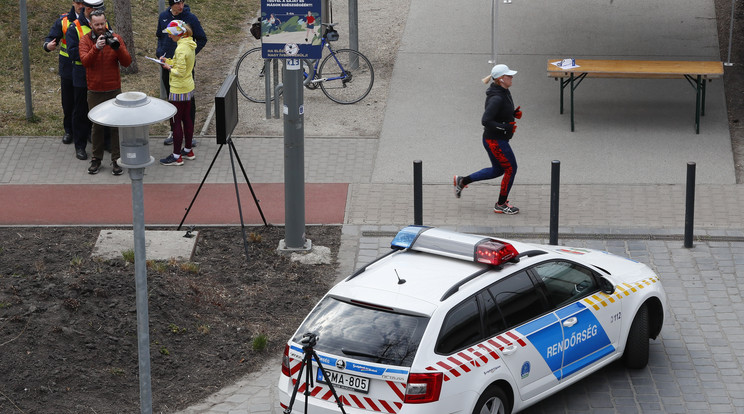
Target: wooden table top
638	68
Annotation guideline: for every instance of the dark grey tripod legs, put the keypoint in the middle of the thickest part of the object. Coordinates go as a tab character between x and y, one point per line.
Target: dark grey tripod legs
307	366
233	153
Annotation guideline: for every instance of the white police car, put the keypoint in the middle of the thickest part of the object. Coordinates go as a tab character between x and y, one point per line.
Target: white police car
457	323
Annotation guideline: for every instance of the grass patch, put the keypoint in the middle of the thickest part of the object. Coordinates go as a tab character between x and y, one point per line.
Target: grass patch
128	256
260	342
173	328
156	266
222	21
190	267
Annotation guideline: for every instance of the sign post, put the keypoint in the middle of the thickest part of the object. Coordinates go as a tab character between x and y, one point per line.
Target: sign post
290	30
294	159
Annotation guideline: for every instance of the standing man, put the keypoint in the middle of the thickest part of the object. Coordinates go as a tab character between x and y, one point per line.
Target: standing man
498	129
56	39
101	52
167	47
80	122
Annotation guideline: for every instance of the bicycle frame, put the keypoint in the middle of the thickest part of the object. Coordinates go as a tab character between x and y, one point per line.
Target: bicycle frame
309	77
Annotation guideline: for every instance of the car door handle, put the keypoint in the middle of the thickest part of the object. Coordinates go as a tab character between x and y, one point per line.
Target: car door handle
509	350
570	322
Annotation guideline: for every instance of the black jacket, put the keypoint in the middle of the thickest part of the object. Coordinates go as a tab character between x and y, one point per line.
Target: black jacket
57	33
499	112
167	47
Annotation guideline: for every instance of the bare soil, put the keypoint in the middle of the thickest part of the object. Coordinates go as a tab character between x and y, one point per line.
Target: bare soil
68	322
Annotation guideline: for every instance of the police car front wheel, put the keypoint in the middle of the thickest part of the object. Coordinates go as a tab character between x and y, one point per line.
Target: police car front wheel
492	401
636	349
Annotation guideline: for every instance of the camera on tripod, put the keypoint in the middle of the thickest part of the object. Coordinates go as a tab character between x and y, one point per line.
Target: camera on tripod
309	339
112	41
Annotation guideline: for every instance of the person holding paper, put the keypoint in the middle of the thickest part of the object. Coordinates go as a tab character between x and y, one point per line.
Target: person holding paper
178	10
498	129
181	81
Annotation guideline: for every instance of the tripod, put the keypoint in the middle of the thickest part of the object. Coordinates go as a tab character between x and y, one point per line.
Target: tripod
308	342
233	152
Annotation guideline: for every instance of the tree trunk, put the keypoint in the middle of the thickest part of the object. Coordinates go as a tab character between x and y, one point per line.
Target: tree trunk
123	12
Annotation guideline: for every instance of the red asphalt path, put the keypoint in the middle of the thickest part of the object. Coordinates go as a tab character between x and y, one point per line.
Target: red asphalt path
165	204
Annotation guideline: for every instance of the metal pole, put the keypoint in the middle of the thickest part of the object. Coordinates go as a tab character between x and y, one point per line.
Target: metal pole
690	204
294	156
140	279
418	209
494	30
276	87
163	92
267	86
731	33
353	25
26	61
353	32
325	14
555	183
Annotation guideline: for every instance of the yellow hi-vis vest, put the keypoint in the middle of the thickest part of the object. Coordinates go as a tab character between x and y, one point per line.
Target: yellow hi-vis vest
82	31
63	41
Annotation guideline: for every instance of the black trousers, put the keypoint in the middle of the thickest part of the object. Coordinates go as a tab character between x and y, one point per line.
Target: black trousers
68	102
80	122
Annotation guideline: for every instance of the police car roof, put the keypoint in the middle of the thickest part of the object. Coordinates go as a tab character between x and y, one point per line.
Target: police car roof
419	280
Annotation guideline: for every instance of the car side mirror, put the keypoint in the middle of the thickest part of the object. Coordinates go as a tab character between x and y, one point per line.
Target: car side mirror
606	286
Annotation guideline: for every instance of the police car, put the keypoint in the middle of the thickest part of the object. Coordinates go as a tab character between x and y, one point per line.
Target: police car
450	322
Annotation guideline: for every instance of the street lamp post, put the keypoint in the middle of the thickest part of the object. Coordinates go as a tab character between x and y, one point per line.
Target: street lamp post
132	113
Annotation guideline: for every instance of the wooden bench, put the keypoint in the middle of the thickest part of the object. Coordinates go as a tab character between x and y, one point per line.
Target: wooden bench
696	73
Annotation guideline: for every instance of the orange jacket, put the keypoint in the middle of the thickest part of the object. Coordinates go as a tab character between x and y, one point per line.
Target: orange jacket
102	66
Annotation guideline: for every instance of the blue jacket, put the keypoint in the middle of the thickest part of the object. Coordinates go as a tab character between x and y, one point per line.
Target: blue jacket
498	113
57	33
167	47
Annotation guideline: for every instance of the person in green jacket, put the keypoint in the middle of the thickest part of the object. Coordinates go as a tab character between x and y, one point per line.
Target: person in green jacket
181	82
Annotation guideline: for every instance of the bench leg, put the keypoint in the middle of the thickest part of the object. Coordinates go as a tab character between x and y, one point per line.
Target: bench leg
562	85
572	102
702	106
698	98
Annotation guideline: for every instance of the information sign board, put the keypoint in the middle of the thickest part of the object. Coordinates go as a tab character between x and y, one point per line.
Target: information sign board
291	29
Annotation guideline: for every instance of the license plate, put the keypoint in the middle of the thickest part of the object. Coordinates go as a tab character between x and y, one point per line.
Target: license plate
344	380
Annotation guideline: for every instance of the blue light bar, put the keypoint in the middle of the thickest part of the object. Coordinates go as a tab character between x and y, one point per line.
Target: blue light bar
405	238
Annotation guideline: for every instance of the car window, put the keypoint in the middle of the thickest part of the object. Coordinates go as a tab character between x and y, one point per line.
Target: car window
364	333
493	318
517	299
565	282
461	327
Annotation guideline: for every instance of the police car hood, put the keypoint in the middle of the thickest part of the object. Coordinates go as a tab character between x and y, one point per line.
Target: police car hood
620	268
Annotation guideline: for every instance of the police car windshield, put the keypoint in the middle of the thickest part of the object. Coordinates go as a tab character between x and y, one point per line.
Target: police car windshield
364	333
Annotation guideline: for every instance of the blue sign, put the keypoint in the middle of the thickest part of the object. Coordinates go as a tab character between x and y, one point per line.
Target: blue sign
291	29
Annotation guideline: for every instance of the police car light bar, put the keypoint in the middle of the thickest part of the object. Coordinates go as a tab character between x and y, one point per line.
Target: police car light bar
456	245
494	252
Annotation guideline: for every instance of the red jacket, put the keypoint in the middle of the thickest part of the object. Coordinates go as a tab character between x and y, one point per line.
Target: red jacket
102	66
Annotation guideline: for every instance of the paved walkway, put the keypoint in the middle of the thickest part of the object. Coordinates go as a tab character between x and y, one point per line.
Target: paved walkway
623	180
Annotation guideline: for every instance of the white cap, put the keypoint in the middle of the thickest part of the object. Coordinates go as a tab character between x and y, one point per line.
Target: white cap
501	70
93	4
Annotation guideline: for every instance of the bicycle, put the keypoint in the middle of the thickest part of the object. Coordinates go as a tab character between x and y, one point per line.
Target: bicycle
345	76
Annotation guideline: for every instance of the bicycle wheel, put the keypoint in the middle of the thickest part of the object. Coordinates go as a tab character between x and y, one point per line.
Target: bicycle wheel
250	74
348	76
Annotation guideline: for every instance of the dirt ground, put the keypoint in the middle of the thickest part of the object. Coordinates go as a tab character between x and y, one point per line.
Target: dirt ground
68	323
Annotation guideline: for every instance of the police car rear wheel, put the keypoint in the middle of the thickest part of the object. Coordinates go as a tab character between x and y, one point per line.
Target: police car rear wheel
636	349
492	401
